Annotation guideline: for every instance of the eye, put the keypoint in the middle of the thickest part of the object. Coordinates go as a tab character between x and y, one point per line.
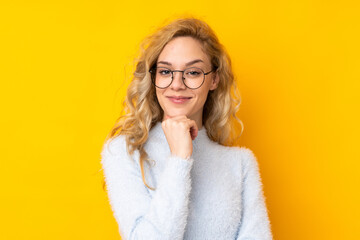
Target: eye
193	73
164	72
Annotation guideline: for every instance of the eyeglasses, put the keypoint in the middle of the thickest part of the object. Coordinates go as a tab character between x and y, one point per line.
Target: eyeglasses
192	78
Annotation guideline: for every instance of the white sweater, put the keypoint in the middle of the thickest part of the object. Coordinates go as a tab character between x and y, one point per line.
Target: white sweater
216	194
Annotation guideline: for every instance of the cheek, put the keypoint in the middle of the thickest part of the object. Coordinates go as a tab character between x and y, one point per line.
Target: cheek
202	96
159	96
158	93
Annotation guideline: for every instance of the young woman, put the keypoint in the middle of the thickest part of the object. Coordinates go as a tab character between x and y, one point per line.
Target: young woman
169	169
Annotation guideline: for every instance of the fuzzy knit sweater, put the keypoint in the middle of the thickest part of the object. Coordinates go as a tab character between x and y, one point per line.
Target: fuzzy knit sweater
215	194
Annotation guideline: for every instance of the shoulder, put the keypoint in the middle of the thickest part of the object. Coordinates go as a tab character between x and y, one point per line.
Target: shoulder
240	156
248	158
247	164
243	153
246	154
115	149
114	146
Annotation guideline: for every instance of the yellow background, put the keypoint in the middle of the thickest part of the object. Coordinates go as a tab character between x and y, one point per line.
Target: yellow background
65	66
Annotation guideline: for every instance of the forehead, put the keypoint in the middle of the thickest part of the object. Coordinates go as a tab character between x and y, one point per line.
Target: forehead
182	50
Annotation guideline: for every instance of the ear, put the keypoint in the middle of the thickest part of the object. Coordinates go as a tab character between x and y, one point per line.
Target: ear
214	81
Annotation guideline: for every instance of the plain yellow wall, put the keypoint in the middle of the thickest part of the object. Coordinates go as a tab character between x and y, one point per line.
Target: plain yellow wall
64	69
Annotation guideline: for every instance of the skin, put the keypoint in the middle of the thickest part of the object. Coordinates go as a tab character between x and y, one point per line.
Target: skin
181	122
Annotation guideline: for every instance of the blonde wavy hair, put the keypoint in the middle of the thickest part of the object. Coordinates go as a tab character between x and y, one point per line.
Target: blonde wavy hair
142	110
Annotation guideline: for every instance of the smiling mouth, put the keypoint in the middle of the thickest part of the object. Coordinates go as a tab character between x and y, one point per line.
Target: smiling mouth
179	100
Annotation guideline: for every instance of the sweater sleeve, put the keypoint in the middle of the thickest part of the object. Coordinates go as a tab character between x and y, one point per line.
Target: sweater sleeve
138	214
255	223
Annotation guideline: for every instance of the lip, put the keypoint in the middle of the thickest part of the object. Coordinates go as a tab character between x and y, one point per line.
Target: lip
179	99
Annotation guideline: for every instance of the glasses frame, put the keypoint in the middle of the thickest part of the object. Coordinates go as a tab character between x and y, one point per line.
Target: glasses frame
153	79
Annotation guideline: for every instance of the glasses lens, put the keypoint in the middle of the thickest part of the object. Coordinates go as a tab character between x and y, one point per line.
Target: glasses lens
162	77
194	77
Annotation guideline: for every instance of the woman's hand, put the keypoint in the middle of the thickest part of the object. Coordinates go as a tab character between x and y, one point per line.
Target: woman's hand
179	132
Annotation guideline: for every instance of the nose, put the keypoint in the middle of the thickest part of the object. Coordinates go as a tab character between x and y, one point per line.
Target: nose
177	82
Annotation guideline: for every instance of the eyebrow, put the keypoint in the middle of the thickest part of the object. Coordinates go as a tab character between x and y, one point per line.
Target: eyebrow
187	64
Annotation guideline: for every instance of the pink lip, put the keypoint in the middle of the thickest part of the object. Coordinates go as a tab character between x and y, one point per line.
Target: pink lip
179	99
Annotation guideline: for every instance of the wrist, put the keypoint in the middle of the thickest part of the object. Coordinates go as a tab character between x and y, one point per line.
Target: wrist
184	156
